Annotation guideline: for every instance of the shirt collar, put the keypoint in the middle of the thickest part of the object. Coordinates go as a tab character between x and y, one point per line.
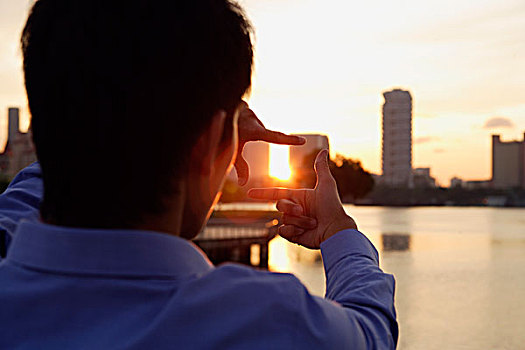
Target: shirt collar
126	253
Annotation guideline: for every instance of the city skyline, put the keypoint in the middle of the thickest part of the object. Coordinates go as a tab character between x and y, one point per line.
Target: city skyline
321	67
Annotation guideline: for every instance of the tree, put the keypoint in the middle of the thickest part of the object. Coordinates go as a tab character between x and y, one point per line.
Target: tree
353	182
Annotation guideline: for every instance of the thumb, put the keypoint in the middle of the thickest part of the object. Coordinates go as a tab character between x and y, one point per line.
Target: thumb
322	168
242	169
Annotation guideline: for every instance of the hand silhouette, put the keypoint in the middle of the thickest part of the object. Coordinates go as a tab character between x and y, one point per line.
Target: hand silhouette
310	216
252	129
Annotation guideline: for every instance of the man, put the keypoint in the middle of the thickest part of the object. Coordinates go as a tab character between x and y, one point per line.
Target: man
137	117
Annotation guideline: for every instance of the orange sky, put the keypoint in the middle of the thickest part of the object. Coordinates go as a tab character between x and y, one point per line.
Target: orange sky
322	65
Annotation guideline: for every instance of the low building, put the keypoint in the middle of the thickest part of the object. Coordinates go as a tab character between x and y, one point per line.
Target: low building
456	182
477	184
421	178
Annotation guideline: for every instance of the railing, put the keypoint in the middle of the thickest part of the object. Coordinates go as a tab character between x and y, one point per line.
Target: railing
244	242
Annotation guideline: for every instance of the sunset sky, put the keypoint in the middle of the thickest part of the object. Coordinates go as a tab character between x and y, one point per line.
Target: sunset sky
321	67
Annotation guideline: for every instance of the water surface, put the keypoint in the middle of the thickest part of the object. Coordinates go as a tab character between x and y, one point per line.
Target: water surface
460	272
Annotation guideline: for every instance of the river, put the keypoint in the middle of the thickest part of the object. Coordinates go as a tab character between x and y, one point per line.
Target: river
460	272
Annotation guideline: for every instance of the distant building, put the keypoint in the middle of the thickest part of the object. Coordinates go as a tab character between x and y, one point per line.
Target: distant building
378	179
257	154
314	143
19	151
397	138
508	161
477	184
421	178
302	170
456	182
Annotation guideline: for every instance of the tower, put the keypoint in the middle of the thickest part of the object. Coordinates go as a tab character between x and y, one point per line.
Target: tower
314	143
397	138
302	158
257	155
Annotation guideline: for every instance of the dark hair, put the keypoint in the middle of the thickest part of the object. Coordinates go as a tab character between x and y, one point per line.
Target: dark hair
119	91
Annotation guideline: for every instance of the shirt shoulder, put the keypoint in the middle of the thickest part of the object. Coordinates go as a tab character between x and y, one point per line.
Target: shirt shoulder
277	305
239	308
234	279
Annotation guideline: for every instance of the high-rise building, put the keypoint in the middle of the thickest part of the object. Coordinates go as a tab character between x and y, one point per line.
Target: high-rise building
302	158
314	143
397	138
257	155
508	163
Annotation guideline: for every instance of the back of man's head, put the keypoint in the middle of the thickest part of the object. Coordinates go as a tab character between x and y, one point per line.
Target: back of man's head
119	91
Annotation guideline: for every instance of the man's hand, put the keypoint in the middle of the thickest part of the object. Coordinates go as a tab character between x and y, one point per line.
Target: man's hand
310	216
252	129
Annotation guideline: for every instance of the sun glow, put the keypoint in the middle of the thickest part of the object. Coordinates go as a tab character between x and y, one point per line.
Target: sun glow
280	162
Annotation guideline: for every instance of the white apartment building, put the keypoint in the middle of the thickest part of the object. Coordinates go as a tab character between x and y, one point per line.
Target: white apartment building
397	138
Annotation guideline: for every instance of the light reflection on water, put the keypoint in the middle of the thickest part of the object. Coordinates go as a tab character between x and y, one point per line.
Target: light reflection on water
460	273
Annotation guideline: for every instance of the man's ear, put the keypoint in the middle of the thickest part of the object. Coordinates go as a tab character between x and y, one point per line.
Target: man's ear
208	145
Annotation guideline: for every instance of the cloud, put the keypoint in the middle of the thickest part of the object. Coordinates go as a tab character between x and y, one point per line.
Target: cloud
498	122
425	139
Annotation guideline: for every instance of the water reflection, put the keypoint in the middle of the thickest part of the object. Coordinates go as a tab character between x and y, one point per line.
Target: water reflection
395	241
460	273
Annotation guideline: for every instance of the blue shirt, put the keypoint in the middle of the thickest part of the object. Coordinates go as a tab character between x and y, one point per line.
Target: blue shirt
71	288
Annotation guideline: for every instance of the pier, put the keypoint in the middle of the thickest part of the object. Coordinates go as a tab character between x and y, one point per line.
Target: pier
239	236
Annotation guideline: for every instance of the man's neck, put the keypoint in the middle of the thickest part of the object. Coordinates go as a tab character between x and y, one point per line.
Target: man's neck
170	221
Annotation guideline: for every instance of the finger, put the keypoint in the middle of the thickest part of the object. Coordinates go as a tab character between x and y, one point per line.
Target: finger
300	221
242	169
281	139
289	207
289	231
322	168
274	193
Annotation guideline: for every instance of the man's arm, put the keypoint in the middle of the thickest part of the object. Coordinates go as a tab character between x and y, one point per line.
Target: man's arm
355	281
21	200
358	311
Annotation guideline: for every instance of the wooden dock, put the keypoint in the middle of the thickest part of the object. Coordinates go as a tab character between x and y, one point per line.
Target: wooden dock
239	236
